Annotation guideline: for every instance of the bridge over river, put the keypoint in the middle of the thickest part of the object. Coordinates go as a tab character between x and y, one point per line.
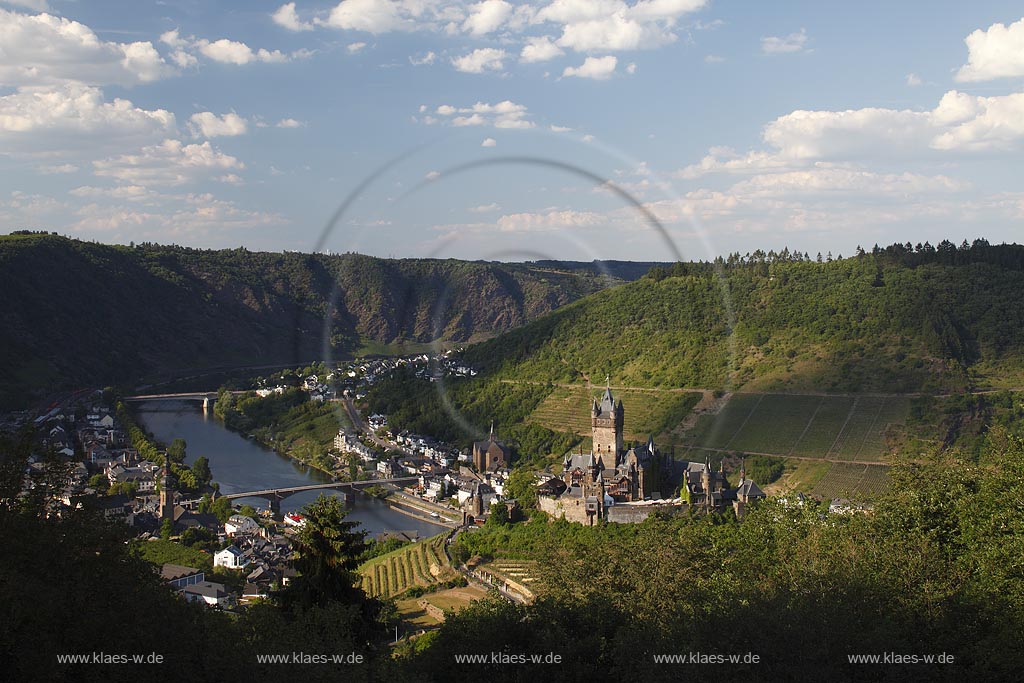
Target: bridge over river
280	493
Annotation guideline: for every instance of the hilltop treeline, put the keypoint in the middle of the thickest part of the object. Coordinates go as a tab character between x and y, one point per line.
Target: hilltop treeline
897	320
77	313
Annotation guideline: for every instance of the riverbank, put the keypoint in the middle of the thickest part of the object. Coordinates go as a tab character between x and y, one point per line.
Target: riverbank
409	509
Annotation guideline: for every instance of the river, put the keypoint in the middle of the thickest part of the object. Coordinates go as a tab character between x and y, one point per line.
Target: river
239	464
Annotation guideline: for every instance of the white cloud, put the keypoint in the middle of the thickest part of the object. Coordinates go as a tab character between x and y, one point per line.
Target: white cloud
171	216
504	114
484	208
37	120
480	60
424	60
997	52
548	221
539	49
354	48
374	16
209	125
913	80
839	181
432	175
598	68
168	163
132	193
47	50
287	17
631	68
559	129
289	123
489	142
234	52
775	45
982	123
486	17
713	59
58	169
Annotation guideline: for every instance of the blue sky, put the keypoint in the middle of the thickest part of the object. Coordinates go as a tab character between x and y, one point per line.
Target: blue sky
817	126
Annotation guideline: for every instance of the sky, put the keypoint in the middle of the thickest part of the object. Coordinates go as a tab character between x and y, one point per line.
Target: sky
505	130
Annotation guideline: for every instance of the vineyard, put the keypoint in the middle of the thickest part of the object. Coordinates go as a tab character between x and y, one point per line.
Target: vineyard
845	480
419	564
646	412
849	428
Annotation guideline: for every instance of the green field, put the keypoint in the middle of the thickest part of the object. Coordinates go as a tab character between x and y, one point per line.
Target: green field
646	412
851	428
418	564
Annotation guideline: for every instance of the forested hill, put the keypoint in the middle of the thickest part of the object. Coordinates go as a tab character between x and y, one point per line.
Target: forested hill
900	319
75	313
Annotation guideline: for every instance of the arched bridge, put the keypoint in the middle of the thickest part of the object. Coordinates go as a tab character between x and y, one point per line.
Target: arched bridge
276	495
205	396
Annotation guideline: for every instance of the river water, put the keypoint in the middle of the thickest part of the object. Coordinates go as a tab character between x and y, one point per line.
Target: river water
239	464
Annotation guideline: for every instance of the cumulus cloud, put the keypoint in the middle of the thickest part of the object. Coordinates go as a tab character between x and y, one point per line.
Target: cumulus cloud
47	50
913	80
168	163
505	114
208	125
959	123
287	17
539	49
38	120
598	68
374	16
486	17
289	123
235	52
489	142
775	45
997	52
480	60
353	48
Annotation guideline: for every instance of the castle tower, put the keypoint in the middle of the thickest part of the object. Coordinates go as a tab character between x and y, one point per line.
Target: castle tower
606	425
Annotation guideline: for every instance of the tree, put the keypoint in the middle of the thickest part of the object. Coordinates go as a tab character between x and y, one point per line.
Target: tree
499	515
167	529
222	509
176	451
247	511
328	550
201	470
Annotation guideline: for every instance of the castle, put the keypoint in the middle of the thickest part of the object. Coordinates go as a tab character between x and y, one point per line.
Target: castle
595	485
609	474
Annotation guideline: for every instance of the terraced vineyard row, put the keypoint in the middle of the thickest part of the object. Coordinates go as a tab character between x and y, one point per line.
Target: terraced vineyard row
419	564
646	413
854	428
845	480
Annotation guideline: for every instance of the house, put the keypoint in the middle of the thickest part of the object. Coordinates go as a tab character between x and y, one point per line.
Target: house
254	591
232	558
180	576
213	594
240	524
